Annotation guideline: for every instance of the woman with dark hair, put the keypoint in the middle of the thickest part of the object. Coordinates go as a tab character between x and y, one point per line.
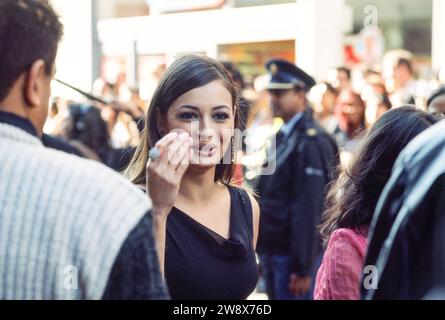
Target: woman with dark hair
85	130
349	111
206	227
353	197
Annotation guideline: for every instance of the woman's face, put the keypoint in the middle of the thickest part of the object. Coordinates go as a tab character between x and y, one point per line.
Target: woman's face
207	115
351	108
328	101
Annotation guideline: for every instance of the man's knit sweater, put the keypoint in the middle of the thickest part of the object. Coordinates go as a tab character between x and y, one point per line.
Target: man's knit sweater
68	224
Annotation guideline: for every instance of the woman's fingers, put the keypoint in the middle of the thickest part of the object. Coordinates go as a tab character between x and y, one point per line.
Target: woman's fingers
170	158
185	160
175	152
163	180
163	143
177	148
162	146
184	156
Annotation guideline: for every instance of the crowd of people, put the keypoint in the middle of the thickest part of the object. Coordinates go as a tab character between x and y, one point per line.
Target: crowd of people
216	183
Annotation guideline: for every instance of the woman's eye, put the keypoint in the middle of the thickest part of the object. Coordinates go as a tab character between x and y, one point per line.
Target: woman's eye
221	116
188	116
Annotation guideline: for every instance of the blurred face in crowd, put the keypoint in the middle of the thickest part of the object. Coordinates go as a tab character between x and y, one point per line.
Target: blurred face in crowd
401	75
375	108
287	102
342	80
351	107
328	102
338	79
323	99
207	114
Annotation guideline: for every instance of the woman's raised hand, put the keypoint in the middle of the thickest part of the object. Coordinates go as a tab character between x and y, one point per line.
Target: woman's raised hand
164	174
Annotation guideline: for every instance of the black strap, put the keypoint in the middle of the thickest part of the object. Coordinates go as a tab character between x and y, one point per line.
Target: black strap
247	209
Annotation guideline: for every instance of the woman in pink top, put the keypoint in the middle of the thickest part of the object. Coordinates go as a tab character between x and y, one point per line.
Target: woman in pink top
353	197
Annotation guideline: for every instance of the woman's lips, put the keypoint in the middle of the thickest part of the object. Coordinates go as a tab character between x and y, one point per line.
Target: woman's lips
205	150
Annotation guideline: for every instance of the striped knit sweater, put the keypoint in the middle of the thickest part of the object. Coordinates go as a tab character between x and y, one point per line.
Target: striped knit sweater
63	220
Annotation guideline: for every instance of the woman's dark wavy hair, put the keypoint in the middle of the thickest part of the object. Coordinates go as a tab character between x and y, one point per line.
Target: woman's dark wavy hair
352	198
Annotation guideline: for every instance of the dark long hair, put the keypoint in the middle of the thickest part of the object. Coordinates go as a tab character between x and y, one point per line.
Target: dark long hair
88	127
186	73
352	198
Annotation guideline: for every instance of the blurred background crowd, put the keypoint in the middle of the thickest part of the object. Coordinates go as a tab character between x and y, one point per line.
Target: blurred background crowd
376	56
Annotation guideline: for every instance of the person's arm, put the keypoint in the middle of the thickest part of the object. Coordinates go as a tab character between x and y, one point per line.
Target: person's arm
160	216
311	179
342	268
307	210
136	273
164	177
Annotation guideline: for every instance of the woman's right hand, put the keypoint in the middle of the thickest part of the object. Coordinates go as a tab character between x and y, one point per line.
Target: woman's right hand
164	174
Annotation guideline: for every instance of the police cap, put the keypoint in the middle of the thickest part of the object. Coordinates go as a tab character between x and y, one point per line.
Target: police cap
286	75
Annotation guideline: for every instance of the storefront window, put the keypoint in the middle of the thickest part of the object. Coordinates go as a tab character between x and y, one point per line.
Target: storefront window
251	57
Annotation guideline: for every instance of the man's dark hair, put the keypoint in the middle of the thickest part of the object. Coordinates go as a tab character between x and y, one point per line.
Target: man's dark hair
29	30
405	62
346	70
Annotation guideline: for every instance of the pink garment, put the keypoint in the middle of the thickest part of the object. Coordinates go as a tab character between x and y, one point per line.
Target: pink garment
339	275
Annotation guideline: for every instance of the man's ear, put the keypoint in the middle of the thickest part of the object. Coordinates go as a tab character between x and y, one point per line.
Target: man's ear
34	83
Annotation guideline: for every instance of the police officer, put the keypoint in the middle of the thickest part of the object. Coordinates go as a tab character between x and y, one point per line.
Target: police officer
292	196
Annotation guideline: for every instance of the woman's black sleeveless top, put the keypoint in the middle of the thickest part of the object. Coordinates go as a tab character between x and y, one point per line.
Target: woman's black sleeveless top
200	264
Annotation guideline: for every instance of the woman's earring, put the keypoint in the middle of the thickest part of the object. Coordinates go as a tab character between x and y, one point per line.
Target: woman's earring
232	143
